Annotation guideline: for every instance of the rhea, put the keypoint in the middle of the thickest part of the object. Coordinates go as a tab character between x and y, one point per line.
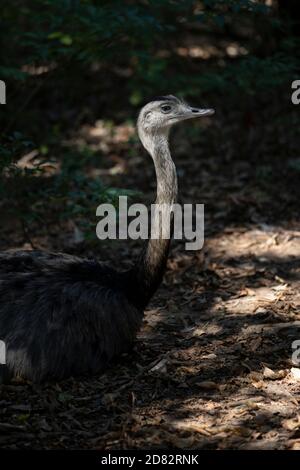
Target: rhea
61	315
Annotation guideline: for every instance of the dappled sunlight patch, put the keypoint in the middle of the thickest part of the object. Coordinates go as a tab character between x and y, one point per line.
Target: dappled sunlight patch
234	50
105	135
245	416
208	51
34	161
266	242
38	69
199	52
165	318
203	329
251	299
108	139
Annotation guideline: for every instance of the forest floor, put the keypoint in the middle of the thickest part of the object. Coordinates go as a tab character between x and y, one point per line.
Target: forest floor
212	366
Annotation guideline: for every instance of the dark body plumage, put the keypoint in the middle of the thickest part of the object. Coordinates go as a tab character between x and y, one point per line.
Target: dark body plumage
62	315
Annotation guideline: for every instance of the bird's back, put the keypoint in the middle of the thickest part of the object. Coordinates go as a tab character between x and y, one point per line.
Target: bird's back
61	315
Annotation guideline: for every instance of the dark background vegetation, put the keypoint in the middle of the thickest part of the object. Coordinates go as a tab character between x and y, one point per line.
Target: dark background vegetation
212	365
70	63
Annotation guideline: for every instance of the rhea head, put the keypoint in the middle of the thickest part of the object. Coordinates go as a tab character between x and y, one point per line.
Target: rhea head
157	117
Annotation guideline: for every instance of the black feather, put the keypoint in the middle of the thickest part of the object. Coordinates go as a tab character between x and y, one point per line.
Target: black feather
165	98
62	316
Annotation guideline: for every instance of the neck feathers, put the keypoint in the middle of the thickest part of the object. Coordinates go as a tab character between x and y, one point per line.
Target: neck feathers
152	262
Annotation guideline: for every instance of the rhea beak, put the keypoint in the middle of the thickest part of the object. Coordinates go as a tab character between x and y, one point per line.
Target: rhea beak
195	112
190	113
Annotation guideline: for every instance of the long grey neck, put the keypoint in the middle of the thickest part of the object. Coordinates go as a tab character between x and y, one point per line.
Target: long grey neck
152	262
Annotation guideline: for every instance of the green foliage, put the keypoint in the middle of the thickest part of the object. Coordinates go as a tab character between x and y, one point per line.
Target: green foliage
34	195
10	146
61	54
61	32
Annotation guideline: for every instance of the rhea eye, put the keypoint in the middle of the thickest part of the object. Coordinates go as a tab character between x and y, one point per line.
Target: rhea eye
166	108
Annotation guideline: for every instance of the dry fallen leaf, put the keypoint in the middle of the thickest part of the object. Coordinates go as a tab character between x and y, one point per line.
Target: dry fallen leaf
160	367
291	424
294	444
295	373
273	375
191	426
207	385
269	373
